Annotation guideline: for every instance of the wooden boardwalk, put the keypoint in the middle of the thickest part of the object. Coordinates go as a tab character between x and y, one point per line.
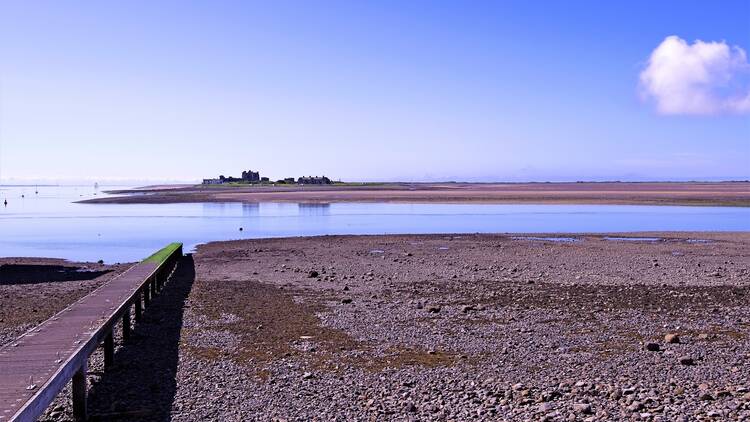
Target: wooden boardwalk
38	365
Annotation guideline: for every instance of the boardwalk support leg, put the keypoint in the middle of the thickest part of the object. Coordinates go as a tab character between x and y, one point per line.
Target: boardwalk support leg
126	324
138	307
146	294
79	393
109	350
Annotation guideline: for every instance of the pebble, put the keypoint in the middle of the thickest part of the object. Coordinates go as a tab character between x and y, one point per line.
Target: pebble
706	396
545	407
584	408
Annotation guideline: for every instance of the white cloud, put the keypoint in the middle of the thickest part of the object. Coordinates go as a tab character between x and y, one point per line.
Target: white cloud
698	78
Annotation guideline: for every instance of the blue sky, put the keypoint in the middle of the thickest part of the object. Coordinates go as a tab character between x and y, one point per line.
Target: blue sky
476	91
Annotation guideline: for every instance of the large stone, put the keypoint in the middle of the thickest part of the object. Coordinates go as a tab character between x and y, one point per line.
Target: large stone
672	338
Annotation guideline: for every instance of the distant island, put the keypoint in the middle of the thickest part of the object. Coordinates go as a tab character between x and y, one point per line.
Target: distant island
322	190
254	177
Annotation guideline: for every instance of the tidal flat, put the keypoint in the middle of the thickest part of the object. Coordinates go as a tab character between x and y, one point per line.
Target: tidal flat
621	193
443	327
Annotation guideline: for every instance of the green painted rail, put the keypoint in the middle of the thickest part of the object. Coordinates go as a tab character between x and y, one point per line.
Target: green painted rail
164	254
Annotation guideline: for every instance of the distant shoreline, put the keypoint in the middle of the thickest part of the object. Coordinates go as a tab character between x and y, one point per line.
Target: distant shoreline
609	193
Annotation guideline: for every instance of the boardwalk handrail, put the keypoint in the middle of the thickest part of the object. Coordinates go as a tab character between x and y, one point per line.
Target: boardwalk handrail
157	268
160	256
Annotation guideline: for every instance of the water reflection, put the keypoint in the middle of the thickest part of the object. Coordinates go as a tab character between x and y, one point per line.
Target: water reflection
216	208
250	209
314	209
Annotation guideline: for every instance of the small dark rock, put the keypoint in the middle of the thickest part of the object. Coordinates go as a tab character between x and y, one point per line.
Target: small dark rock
652	347
687	360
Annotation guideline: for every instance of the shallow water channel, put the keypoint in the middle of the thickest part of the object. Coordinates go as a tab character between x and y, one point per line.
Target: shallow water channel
50	224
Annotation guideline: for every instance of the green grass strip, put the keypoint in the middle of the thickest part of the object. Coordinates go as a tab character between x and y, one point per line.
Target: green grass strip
163	254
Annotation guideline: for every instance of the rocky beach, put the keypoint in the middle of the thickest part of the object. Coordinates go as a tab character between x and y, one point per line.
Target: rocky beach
649	326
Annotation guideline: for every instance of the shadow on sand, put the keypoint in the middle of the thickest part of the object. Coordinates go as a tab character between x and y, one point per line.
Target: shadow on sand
142	384
34	274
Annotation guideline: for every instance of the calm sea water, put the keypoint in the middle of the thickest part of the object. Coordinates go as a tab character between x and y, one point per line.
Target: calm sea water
49	224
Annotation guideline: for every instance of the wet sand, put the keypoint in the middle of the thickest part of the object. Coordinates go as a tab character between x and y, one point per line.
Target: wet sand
687	193
435	327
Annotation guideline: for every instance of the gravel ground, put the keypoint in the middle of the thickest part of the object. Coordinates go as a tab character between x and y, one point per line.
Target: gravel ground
467	327
435	327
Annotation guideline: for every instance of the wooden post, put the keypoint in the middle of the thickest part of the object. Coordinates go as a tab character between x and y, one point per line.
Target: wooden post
146	294
109	350
126	324
152	286
79	393
138	307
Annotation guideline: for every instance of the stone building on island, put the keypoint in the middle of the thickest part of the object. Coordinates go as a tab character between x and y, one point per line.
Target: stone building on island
251	177
248	176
